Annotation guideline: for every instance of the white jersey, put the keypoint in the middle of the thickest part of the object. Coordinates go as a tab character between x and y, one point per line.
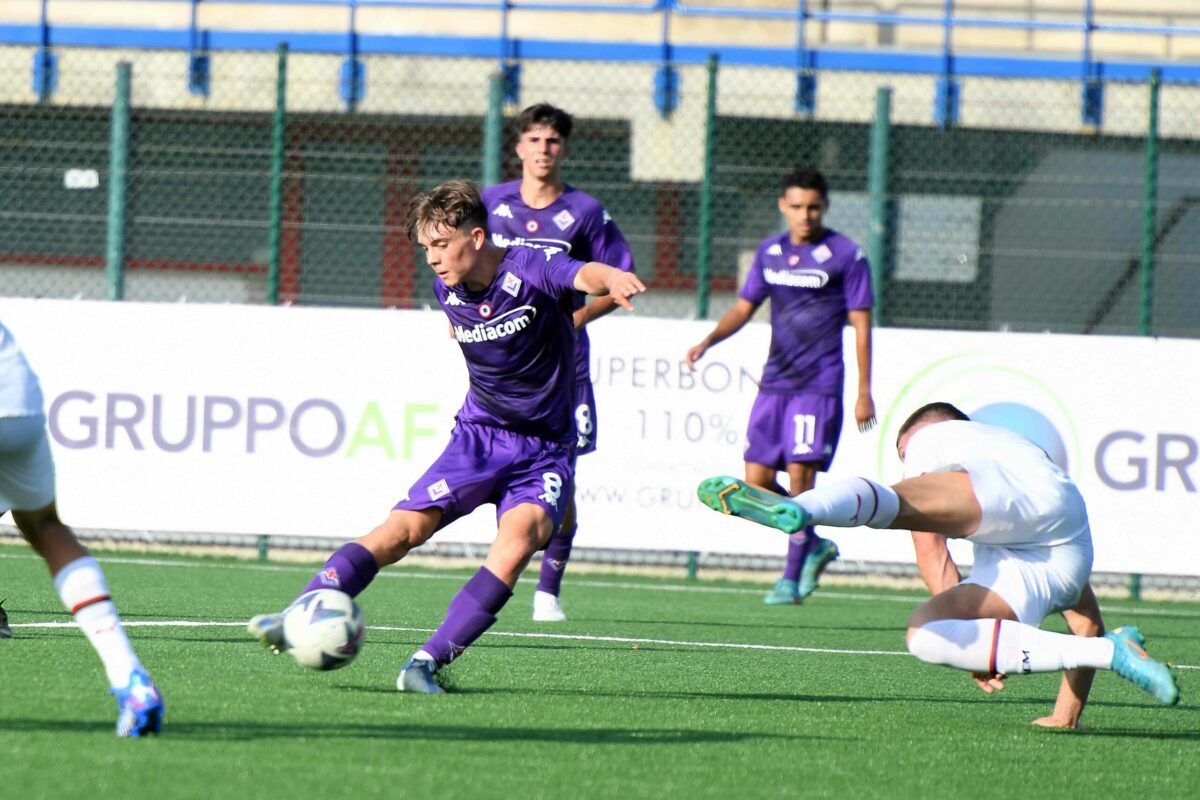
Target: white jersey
20	392
1027	500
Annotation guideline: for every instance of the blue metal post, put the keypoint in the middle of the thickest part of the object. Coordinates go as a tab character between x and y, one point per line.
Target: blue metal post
199	67
945	110
45	62
510	70
1092	98
806	79
354	72
118	185
666	78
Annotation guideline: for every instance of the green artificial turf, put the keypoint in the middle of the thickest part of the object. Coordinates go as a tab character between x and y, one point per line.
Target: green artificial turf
638	695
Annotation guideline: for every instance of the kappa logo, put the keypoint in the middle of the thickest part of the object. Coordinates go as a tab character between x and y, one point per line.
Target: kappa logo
799	278
802	449
564	220
452	299
828	450
607	218
503	210
511	284
860	254
329	577
775	250
439	489
822	254
532	226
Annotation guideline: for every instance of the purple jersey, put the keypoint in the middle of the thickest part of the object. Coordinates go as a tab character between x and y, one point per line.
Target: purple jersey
811	287
519	344
575	223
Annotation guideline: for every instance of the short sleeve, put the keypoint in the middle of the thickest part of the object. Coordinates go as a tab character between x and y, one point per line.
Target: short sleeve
606	243
755	288
550	270
856	285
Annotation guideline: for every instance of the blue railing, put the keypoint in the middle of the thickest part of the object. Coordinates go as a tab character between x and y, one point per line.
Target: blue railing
947	64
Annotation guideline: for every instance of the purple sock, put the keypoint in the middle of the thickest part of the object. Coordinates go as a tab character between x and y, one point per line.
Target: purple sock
554	561
472	611
798	546
350	569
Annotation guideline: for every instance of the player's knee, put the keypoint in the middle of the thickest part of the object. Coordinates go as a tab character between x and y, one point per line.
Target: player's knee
925	645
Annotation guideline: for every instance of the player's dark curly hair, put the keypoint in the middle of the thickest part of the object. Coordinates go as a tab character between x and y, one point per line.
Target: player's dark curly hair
453	204
930	412
544	114
805	179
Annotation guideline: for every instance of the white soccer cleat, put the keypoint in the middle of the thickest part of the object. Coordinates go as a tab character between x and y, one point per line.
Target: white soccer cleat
268	629
547	608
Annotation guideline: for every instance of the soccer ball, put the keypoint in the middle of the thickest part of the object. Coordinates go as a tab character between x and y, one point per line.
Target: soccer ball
323	629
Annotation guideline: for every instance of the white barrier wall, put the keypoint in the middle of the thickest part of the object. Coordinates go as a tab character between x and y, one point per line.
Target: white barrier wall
313	422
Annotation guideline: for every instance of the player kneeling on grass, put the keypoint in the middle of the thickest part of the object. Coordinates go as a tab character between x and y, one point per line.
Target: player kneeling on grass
1033	555
514	441
27	488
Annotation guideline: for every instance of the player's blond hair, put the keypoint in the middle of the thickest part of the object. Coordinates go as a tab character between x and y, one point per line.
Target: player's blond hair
452	205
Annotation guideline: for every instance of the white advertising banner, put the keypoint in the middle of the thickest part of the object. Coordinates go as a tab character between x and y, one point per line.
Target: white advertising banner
313	422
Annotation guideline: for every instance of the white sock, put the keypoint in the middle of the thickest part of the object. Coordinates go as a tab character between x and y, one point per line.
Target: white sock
850	502
1004	646
84	592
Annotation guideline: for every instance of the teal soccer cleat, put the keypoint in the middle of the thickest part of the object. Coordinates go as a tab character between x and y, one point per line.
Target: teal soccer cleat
419	675
731	496
139	706
786	593
820	556
1133	664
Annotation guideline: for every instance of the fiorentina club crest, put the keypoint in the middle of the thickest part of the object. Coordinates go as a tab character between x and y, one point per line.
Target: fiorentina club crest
822	254
564	220
512	284
556	564
329	577
532	226
439	489
793	260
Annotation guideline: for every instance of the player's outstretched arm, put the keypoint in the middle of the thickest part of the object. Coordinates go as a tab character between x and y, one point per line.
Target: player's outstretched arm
601	279
934	562
1082	620
594	310
733	321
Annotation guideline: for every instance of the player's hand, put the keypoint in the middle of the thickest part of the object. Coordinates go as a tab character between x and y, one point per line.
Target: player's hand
622	286
693	355
864	413
989	683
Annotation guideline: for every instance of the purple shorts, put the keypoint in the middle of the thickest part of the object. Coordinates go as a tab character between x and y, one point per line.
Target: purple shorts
585	416
482	464
790	428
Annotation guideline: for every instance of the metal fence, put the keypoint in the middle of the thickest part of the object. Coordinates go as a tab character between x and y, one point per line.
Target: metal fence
272	187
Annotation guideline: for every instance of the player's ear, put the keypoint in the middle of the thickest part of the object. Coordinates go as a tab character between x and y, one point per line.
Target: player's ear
478	237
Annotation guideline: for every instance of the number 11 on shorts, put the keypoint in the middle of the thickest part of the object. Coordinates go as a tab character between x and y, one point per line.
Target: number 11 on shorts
806	433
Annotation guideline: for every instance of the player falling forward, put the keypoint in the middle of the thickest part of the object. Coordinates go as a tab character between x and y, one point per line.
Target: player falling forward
513	444
816	279
542	211
1033	555
27	489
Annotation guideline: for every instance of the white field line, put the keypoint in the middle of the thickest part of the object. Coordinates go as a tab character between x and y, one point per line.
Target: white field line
571	637
592	584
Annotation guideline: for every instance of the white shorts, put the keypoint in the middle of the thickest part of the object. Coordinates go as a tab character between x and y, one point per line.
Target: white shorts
1035	581
26	468
1032	505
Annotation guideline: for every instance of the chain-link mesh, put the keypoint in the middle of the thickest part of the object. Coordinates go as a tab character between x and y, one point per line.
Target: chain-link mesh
1011	215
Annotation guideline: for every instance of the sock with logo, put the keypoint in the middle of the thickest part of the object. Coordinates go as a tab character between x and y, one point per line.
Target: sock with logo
850	502
1007	647
350	569
472	611
554	561
84	592
799	543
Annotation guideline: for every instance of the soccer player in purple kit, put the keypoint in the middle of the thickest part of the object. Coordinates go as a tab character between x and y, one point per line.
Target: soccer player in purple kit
816	279
540	210
514	439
